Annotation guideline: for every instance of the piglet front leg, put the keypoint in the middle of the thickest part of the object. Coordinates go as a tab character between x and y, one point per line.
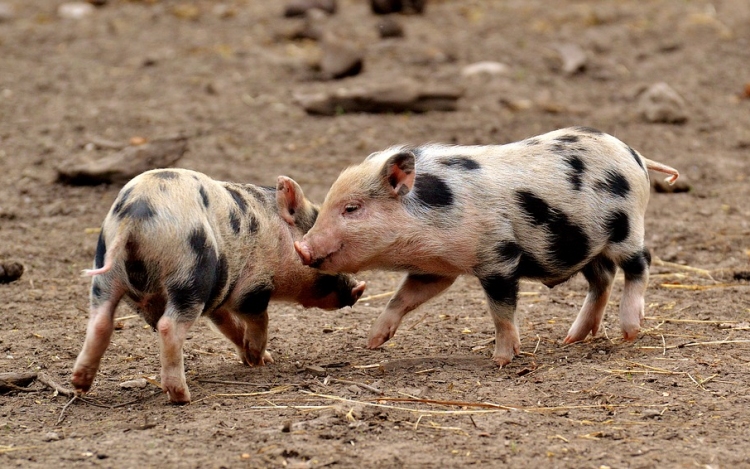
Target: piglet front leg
414	290
502	295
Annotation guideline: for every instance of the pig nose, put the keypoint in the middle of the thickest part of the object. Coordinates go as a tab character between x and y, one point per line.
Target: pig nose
303	251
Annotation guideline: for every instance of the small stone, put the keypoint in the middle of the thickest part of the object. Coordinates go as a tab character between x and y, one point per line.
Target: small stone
384	7
75	10
134	384
51	436
301	7
389	27
316	370
340	59
484	68
663	187
661	104
10	271
7	12
651	413
573	58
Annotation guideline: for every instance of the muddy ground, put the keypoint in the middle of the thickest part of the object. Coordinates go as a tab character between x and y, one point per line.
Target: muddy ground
223	74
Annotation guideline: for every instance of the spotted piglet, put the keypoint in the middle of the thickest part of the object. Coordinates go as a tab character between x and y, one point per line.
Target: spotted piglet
544	208
177	244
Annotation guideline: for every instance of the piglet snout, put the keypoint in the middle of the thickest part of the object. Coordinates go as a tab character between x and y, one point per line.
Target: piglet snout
303	250
357	292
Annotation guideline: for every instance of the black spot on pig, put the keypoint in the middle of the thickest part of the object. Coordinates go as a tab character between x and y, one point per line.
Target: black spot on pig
636	265
530	267
101	251
536	208
618	226
197	240
599	273
123	199
579	167
588	130
140	209
166	174
195	290
500	289
137	273
569	244
257	193
204	196
238	199
235	222
431	191
461	162
614	183
567	139
222	276
532	142
96	291
255	301
637	158
508	251
253	225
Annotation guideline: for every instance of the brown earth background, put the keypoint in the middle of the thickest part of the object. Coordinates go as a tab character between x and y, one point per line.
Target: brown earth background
225	75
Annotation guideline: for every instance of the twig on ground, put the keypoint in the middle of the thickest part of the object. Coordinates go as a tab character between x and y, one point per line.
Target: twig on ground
362	385
248	394
238	383
65	407
687	268
376	297
47	381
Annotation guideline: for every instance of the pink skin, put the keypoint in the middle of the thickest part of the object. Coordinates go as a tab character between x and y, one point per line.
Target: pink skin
249	334
352	234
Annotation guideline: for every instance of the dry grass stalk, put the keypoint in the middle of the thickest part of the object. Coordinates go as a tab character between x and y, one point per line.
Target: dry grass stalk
377	296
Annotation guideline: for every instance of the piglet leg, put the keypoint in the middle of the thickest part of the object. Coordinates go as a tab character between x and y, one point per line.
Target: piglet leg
502	295
98	335
256	339
172	334
632	305
600	274
414	290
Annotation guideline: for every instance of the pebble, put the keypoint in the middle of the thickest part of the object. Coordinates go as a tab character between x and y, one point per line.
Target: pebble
661	104
7	12
384	7
484	68
573	58
389	27
316	370
340	59
300	7
51	436
134	384
75	10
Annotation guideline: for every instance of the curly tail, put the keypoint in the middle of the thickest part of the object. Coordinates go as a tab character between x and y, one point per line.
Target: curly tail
662	168
109	258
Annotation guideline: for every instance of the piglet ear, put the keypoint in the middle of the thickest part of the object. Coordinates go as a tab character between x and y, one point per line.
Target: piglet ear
289	199
399	172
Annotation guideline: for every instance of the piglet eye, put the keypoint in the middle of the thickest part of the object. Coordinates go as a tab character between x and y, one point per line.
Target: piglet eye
351	208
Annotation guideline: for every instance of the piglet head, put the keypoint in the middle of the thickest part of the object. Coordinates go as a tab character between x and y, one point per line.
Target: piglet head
333	291
361	215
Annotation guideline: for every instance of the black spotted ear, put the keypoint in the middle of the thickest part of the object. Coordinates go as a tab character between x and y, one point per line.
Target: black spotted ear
399	172
290	199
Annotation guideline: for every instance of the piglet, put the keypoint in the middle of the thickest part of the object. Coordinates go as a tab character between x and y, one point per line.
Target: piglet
177	245
544	208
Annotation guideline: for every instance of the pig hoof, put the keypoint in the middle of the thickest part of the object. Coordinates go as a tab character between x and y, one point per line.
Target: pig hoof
179	396
573	338
377	341
630	336
505	353
82	379
267	359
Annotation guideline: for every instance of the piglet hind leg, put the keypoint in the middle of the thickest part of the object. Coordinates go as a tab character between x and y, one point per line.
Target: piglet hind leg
98	336
414	290
600	274
502	295
173	328
632	305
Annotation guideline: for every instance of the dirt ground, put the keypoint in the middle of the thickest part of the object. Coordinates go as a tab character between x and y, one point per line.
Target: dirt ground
223	74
